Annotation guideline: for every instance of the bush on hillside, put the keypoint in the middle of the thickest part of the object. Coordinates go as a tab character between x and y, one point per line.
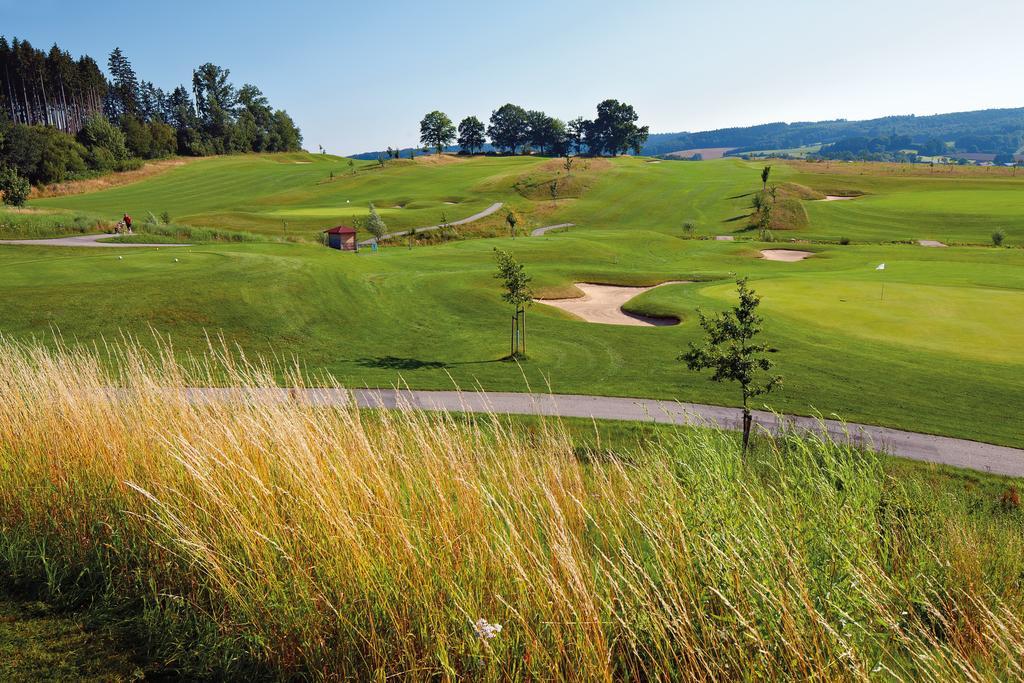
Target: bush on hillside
14	188
997	238
153	140
98	132
41	154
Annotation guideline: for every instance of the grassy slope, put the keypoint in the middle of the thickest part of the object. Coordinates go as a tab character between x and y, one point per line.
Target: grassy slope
428	315
261	193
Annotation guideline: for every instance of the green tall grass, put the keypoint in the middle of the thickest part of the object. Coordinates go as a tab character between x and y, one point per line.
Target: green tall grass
258	533
35	224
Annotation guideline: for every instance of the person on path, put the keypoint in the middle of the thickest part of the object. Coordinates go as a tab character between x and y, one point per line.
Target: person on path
127	222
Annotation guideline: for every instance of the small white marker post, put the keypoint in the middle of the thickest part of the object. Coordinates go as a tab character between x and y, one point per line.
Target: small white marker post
881	266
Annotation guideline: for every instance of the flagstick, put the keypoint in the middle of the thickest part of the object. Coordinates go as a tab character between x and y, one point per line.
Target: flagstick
882	297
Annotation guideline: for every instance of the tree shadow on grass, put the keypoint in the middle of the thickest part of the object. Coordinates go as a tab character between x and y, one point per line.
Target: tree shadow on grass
737	218
399	363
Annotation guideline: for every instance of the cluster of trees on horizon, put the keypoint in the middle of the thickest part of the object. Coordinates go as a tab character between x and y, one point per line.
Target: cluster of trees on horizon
512	129
62	118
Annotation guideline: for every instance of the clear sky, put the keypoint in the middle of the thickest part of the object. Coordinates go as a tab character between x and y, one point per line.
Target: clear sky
358	76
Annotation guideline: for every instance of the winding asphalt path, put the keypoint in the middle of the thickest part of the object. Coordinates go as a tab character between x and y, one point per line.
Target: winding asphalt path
88	241
475	217
537	232
940	450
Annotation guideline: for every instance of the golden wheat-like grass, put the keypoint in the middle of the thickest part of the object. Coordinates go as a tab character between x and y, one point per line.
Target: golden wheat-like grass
252	530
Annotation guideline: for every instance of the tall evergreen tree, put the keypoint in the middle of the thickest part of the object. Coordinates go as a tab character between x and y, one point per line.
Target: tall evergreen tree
123	97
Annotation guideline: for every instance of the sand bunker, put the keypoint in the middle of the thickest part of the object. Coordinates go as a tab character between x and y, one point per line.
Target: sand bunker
930	243
724	238
603	304
787	255
836	198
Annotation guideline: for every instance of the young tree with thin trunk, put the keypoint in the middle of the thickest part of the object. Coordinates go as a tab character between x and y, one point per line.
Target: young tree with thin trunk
731	352
375	224
518	294
765	172
511	219
764	221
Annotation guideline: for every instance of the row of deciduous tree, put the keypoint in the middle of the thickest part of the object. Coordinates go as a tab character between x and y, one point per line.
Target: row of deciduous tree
514	130
61	117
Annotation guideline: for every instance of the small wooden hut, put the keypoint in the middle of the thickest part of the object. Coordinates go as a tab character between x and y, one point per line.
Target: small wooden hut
341	237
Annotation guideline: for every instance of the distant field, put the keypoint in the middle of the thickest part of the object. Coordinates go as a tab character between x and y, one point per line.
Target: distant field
791	151
707	153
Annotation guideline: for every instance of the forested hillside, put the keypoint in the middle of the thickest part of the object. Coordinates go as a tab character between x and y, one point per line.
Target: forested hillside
64	118
993	131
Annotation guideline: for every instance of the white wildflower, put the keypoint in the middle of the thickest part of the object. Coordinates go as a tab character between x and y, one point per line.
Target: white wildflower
485	630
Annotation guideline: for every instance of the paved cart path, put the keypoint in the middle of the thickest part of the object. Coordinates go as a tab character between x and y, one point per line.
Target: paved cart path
469	219
537	232
88	241
941	450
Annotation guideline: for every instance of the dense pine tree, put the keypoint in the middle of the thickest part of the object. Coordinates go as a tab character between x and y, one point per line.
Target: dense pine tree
123	97
51	107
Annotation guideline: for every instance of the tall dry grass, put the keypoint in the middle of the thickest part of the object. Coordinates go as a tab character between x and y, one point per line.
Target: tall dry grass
257	534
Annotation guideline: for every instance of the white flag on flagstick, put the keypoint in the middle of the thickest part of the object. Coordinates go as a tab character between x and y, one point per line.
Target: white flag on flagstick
881	266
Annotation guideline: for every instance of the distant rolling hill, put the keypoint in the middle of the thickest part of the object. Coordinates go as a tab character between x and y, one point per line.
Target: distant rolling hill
987	131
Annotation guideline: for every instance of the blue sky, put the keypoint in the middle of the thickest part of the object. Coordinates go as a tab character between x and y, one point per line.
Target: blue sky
358	76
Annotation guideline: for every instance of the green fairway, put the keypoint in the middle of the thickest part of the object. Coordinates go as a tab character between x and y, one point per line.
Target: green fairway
939	353
432	316
953	209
